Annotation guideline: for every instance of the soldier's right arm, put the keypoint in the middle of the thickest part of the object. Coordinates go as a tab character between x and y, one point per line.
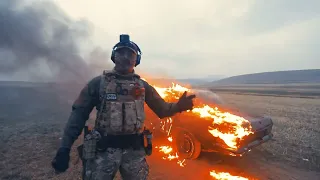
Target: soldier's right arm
157	104
81	109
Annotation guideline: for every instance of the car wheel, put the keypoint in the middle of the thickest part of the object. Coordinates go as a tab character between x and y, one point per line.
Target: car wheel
188	147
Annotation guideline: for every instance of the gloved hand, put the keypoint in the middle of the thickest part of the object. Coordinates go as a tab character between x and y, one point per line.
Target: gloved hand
185	102
61	162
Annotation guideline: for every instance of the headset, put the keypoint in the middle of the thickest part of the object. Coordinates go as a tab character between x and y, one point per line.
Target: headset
125	41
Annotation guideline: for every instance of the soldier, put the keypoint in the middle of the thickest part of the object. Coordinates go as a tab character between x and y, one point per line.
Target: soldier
119	97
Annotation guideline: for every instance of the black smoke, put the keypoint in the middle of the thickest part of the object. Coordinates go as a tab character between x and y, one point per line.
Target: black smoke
40	41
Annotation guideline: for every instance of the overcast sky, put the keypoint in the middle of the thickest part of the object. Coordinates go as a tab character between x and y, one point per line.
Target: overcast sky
197	38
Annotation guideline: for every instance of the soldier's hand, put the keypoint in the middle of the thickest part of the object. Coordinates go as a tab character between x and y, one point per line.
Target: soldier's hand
185	102
61	161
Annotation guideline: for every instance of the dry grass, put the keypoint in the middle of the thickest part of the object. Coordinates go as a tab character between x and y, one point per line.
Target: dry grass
296	126
287	90
31	128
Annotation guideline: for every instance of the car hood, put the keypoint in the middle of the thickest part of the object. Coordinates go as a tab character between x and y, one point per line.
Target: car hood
258	122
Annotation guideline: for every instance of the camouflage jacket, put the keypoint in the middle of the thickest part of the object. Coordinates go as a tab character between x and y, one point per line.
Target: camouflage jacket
89	98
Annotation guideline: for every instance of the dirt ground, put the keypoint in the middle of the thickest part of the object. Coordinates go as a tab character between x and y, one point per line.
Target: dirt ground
31	123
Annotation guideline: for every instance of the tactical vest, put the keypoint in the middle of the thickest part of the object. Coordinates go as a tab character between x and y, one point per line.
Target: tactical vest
122	104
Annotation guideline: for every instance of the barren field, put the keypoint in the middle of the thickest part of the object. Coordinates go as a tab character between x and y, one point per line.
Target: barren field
303	90
296	126
32	118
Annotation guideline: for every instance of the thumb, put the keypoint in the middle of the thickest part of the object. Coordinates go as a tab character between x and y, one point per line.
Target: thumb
184	95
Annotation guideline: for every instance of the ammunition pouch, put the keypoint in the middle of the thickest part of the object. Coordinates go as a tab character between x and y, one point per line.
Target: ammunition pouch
134	141
148	149
89	147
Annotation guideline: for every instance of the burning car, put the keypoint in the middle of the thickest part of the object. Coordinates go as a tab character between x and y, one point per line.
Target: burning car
210	127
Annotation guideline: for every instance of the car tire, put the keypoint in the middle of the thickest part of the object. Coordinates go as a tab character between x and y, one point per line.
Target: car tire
188	146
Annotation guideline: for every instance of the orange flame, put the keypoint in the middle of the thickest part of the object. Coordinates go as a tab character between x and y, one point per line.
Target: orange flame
231	135
235	131
168	150
225	176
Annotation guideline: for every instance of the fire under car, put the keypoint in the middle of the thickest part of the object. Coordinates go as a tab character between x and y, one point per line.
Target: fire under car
210	127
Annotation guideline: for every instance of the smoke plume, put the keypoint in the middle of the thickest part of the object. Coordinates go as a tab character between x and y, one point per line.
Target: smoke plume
39	42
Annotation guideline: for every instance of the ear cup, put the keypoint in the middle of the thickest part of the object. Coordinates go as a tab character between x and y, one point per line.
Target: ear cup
138	60
138	55
113	52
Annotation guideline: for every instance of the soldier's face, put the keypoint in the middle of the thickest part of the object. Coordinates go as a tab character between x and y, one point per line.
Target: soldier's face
125	60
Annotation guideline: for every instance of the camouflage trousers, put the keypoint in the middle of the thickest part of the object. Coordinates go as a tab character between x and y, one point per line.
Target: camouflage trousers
131	163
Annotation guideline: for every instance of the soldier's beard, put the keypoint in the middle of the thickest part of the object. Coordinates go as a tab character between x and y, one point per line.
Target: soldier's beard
124	66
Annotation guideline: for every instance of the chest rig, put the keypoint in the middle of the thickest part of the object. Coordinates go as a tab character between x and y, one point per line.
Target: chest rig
122	104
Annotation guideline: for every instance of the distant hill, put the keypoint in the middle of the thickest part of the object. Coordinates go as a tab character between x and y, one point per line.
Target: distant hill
190	81
199	81
277	77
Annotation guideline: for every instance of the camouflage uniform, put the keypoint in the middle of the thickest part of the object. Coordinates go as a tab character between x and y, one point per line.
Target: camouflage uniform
131	162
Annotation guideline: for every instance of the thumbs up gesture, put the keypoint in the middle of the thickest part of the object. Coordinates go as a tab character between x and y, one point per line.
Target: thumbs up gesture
185	102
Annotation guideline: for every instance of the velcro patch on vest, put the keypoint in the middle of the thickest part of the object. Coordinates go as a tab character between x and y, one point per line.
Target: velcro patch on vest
111	96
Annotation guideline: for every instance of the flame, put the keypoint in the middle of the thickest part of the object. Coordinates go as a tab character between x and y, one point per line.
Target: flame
165	149
228	127
225	176
173	92
235	132
170	155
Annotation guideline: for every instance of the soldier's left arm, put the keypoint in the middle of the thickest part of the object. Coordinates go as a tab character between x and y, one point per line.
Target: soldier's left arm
157	104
